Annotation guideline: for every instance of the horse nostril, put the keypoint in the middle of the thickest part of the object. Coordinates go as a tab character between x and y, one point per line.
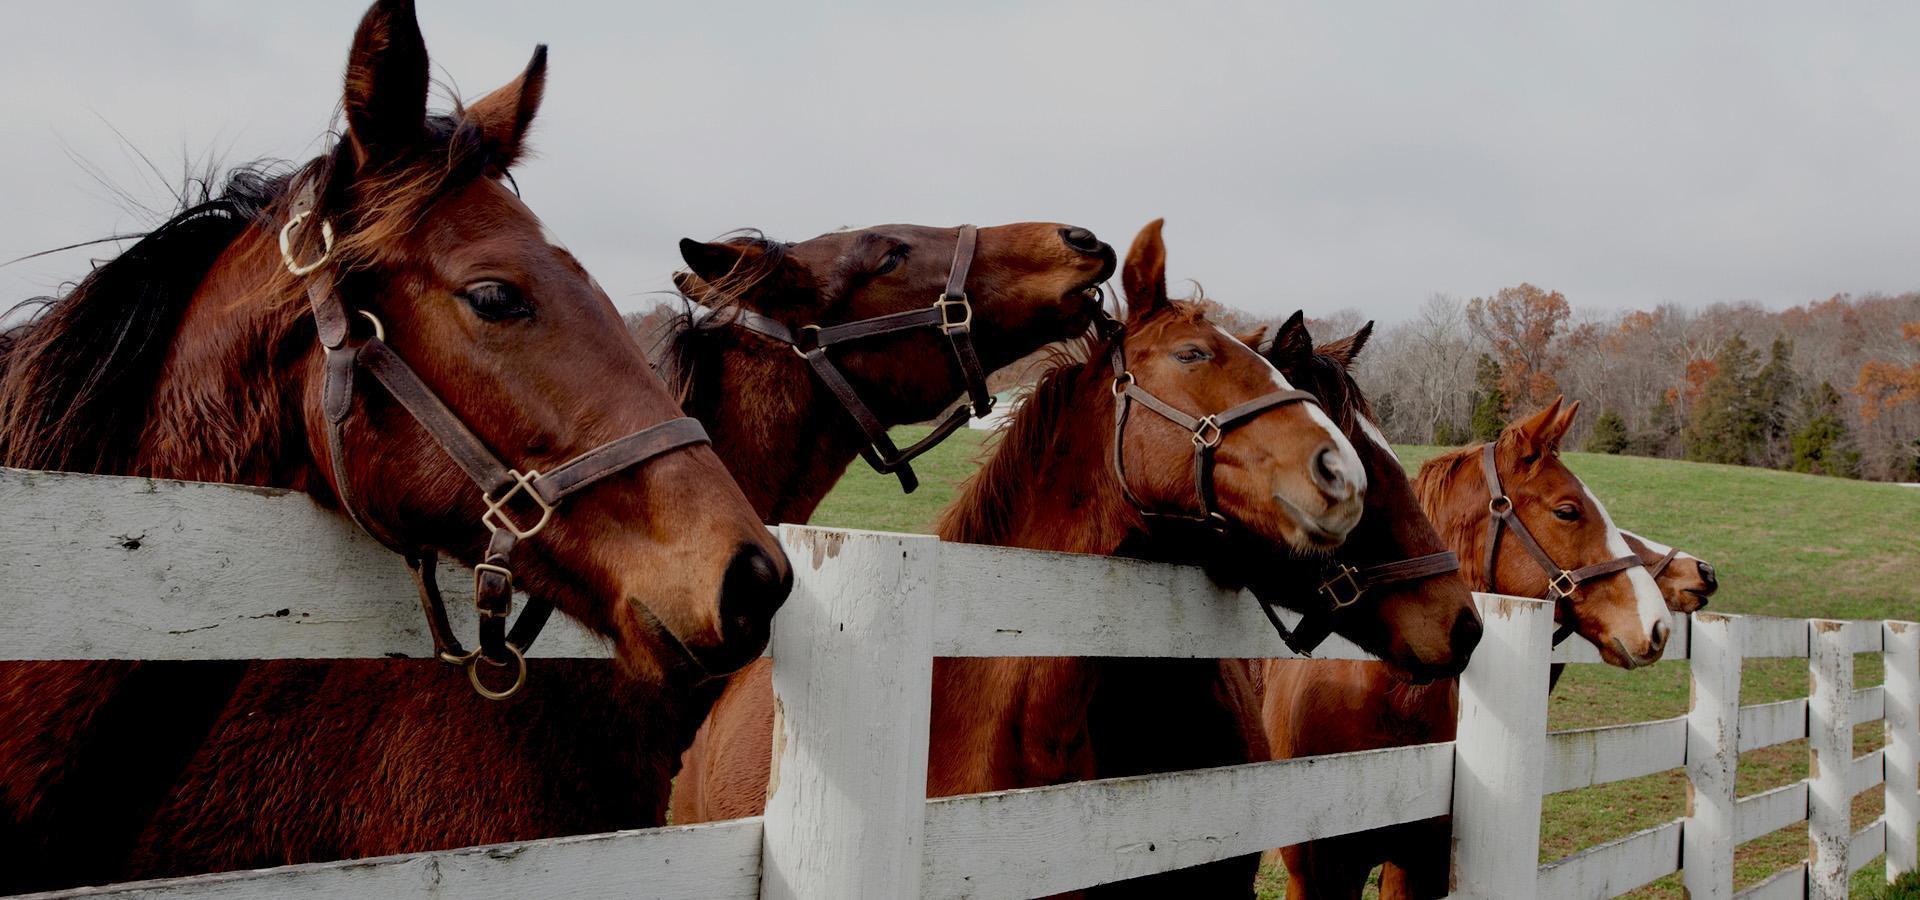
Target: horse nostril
1660	634
1706	575
754	587
1330	474
1081	239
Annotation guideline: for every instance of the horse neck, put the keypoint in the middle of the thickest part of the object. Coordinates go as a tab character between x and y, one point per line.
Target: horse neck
229	403
784	440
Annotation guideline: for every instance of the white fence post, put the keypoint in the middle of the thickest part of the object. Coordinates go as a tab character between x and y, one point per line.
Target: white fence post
1830	751
852	678
1713	755
1499	761
1902	649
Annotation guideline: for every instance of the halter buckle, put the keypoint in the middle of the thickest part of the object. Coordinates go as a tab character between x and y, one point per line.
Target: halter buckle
1562	584
503	572
294	267
1207	433
802	348
1346	578
948	324
496	517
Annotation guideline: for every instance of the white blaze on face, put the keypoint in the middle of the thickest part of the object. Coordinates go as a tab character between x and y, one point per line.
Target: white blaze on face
1646	593
546	234
1349	460
1374	434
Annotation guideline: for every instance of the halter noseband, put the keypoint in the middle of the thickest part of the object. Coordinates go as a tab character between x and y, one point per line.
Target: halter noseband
952	313
1561	583
499	485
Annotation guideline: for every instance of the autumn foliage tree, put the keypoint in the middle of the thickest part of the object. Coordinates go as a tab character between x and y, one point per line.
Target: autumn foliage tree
1884	385
1520	324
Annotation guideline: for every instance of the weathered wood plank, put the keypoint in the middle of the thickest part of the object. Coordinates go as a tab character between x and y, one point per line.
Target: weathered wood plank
1590	756
1868	705
1769	811
1038	841
1867	772
1901	641
853	674
1499	761
1863	636
106	567
1000	601
718	860
1830	753
1714	736
1787	884
1772	723
1866	844
1768	637
1615	867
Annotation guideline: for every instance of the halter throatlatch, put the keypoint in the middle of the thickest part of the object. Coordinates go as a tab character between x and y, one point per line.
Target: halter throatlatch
1561	583
951	313
502	489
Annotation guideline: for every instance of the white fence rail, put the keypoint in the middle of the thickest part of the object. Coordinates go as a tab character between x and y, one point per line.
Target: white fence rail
124	568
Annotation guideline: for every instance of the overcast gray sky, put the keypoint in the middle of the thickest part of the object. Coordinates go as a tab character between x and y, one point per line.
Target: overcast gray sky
1341	155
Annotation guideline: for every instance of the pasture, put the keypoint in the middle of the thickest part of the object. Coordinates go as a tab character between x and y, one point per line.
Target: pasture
1784	545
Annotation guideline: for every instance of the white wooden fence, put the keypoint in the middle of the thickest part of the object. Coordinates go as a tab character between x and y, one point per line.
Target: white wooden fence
124	568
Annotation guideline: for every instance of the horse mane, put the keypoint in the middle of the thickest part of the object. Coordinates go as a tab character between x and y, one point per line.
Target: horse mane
78	379
1460	525
1322	375
688	353
982	513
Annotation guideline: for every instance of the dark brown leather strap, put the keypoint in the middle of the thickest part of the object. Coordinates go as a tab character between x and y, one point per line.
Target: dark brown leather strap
1660	568
617	456
1561	583
952	313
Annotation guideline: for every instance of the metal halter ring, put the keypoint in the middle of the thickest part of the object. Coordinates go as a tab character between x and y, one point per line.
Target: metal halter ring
519	675
1207	433
1121	382
1563	584
1347	576
295	268
947	324
496	518
800	351
1500	505
379	329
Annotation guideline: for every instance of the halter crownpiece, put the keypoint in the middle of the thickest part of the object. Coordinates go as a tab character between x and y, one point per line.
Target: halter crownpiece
951	313
499	485
1561	583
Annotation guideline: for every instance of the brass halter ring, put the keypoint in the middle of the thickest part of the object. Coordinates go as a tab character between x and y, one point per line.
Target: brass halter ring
294	267
379	329
519	676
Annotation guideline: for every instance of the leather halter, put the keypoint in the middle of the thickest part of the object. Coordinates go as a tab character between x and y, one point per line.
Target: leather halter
952	313
1206	433
1561	583
499	485
1344	585
1660	568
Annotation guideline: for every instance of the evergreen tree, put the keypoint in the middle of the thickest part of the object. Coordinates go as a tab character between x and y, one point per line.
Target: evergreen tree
1609	434
1489	400
1823	446
1775	389
1661	437
1725	425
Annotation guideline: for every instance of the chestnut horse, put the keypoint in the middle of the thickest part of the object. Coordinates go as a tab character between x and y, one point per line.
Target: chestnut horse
1686	581
1005	723
195	354
1029	284
1340	706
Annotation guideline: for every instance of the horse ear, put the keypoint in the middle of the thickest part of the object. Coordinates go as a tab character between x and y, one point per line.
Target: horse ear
386	87
1537	434
1253	338
713	261
1292	344
1145	276
1562	424
504	116
1347	349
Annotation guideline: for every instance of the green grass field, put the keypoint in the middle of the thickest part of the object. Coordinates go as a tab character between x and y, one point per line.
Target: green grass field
1784	545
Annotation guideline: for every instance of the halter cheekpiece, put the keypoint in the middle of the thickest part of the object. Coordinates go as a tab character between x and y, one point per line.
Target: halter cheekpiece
499	484
1561	582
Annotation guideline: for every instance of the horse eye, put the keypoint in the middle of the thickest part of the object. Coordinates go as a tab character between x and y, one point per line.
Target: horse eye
1191	354
892	261
1567	513
496	301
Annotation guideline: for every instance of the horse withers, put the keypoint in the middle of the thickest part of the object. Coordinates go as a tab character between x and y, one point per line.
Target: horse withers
391	329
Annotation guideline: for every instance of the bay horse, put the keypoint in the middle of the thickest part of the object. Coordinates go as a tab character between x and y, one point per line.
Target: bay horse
1340	705
1054	482
1026	285
382	327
